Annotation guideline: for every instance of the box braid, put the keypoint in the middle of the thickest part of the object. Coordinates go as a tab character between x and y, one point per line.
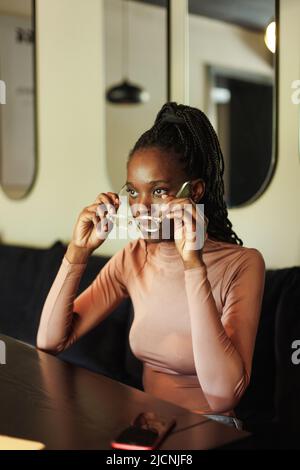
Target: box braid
187	132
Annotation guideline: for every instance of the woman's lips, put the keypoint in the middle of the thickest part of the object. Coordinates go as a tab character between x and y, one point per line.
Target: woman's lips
148	226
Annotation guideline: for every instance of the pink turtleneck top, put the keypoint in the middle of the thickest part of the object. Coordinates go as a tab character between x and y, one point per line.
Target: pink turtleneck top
193	329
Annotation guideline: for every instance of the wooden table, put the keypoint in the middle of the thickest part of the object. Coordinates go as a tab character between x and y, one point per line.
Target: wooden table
66	407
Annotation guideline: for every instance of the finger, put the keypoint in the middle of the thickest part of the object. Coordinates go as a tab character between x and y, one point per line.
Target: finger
178	209
101	231
100	213
104	208
101	196
98	210
86	214
115	198
186	205
166	200
92	207
171	201
194	228
169	197
184	202
108	199
189	213
175	214
167	208
103	228
95	219
195	211
91	210
178	223
194	232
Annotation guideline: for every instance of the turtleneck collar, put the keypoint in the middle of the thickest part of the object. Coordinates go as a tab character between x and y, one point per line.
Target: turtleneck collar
167	248
167	251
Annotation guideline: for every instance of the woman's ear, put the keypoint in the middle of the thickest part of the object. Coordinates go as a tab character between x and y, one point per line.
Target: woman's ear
198	190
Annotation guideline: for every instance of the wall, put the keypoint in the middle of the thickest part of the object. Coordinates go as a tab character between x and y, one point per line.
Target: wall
71	84
147	67
72	167
17	161
16	7
272	222
213	42
70	80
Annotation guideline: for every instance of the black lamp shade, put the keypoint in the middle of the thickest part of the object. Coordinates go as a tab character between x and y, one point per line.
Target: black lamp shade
126	93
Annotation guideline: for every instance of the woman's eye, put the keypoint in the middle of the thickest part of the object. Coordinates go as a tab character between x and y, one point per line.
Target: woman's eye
157	192
131	192
160	191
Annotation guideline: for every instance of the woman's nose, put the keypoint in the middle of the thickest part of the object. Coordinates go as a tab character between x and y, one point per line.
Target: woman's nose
143	204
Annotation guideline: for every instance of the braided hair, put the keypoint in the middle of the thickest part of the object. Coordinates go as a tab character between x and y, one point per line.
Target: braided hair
187	133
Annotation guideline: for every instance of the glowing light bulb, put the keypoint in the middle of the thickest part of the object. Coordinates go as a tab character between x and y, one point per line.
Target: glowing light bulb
270	36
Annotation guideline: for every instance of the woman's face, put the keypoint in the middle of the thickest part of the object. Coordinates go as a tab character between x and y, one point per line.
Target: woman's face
151	173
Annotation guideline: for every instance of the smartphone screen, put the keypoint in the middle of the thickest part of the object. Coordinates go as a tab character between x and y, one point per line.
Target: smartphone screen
145	433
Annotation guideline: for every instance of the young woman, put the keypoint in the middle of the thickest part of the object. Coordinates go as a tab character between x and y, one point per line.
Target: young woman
196	310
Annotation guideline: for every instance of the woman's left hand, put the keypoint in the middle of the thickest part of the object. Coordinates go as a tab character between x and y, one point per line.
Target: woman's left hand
190	228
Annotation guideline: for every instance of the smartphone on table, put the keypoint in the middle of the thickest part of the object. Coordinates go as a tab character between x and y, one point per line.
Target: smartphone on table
145	433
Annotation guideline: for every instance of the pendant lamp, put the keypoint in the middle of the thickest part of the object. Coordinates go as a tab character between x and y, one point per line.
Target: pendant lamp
126	92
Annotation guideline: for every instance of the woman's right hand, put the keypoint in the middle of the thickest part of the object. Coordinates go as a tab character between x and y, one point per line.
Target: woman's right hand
92	226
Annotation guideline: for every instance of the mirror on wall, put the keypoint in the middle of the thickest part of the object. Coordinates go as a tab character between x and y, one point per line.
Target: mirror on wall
17	108
232	78
136	50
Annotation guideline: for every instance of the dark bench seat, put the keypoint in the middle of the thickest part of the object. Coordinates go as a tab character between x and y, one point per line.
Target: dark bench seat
26	275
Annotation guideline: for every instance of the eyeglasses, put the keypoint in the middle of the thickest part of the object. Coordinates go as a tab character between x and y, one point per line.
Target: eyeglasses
144	222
